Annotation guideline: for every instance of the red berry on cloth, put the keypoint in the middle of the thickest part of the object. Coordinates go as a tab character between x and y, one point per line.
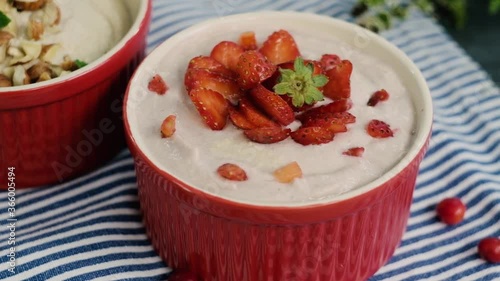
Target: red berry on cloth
451	211
489	249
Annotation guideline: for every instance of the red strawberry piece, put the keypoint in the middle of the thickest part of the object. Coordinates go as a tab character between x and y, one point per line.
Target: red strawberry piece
168	126
379	129
378	96
248	40
158	85
344	117
272	104
209	63
329	61
232	172
280	47
294	108
239	120
202	78
328	121
254	115
339	81
212	106
312	135
355	151
253	68
335	106
227	53
267	135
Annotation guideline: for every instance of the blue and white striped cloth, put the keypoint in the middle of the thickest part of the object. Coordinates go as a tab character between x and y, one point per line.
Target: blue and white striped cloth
90	228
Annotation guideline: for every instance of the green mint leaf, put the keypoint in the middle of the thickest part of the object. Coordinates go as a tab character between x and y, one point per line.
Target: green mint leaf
300	83
80	63
283	88
320	80
298	100
316	94
4	20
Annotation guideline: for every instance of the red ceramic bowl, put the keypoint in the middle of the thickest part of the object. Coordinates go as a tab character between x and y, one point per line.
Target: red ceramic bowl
346	238
55	130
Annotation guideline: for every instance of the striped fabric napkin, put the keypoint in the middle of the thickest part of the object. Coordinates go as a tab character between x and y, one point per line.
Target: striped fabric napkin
90	228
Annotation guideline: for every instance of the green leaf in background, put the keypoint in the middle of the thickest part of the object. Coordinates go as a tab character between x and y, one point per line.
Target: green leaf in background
4	20
458	9
494	6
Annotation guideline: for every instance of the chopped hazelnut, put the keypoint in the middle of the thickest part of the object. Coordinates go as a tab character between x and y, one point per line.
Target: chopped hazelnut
28	5
5	81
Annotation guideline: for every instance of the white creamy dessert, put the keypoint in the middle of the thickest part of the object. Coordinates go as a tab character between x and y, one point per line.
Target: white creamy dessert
195	151
60	33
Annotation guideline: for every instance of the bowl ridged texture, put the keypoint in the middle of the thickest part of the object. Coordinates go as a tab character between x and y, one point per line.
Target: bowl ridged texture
350	247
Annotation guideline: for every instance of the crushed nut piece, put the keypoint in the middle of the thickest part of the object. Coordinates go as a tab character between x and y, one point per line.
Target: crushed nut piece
29	5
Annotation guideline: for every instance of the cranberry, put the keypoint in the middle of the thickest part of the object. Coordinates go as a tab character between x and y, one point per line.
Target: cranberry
489	249
451	211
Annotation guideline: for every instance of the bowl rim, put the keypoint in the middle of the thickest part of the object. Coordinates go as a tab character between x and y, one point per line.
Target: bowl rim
30	91
417	148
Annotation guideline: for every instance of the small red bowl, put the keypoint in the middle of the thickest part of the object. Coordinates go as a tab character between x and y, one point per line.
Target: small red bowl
346	238
55	130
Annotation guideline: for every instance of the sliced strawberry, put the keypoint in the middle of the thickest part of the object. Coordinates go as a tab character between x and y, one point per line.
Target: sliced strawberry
355	151
202	78
267	135
232	172
273	105
343	117
335	106
209	63
212	106
328	121
227	53
280	47
157	85
239	120
168	126
248	40
253	68
254	115
378	96
312	135
288	173
339	81
329	61
379	129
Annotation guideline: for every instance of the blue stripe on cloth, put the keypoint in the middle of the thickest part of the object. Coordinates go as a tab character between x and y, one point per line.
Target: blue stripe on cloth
91	227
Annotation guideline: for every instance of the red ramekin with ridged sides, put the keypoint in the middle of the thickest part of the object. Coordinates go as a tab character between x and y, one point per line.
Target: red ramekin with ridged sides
345	238
55	130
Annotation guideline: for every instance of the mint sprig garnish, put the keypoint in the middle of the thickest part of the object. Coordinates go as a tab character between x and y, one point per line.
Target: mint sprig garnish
80	63
4	20
301	84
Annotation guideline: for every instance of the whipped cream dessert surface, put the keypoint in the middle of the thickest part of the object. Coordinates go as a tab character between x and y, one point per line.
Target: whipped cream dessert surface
84	30
195	152
90	28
